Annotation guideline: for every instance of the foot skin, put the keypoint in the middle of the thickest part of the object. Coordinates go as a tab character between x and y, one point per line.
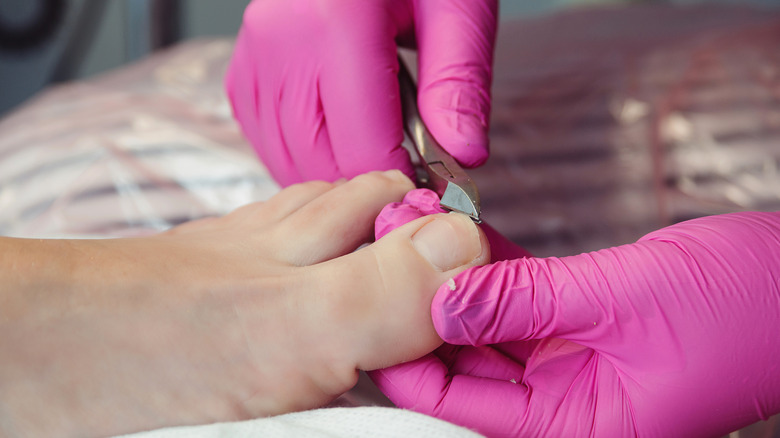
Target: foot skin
266	310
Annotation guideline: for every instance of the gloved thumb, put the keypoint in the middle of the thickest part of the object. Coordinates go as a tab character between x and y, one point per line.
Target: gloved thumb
528	298
455	40
633	291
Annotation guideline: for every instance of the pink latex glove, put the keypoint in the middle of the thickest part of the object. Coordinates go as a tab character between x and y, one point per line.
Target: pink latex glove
675	335
314	83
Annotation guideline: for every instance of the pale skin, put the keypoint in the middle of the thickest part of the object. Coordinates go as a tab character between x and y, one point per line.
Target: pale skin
263	311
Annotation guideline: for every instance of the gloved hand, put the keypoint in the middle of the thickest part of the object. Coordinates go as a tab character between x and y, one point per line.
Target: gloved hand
314	84
674	335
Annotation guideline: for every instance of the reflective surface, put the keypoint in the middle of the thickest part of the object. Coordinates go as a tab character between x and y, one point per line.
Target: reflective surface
610	123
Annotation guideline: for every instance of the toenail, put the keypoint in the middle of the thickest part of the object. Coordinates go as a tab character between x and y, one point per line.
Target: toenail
449	241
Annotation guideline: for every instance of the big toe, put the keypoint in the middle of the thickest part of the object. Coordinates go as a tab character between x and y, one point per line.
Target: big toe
401	273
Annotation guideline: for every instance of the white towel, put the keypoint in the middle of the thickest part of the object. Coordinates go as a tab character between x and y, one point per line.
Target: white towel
375	422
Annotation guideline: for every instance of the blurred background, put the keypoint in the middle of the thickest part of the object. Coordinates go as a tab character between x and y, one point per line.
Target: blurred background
45	41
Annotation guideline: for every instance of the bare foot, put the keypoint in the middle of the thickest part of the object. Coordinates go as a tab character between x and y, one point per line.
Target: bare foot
263	311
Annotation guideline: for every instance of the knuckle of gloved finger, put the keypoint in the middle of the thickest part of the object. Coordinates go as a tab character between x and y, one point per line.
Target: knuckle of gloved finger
285	21
740	241
716	230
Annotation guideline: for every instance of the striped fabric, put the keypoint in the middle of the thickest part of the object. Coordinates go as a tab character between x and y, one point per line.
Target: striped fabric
132	152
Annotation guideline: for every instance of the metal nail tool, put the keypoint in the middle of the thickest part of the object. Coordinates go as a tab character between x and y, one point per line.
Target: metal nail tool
436	169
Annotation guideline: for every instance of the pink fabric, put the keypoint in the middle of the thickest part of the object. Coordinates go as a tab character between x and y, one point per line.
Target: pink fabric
314	85
674	335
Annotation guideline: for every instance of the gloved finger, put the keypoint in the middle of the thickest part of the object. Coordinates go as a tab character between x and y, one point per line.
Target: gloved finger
600	299
416	204
345	215
580	298
492	407
524	299
253	108
303	126
484	361
359	89
455	40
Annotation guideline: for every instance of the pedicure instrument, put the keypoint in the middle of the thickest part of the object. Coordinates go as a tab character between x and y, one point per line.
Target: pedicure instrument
436	169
